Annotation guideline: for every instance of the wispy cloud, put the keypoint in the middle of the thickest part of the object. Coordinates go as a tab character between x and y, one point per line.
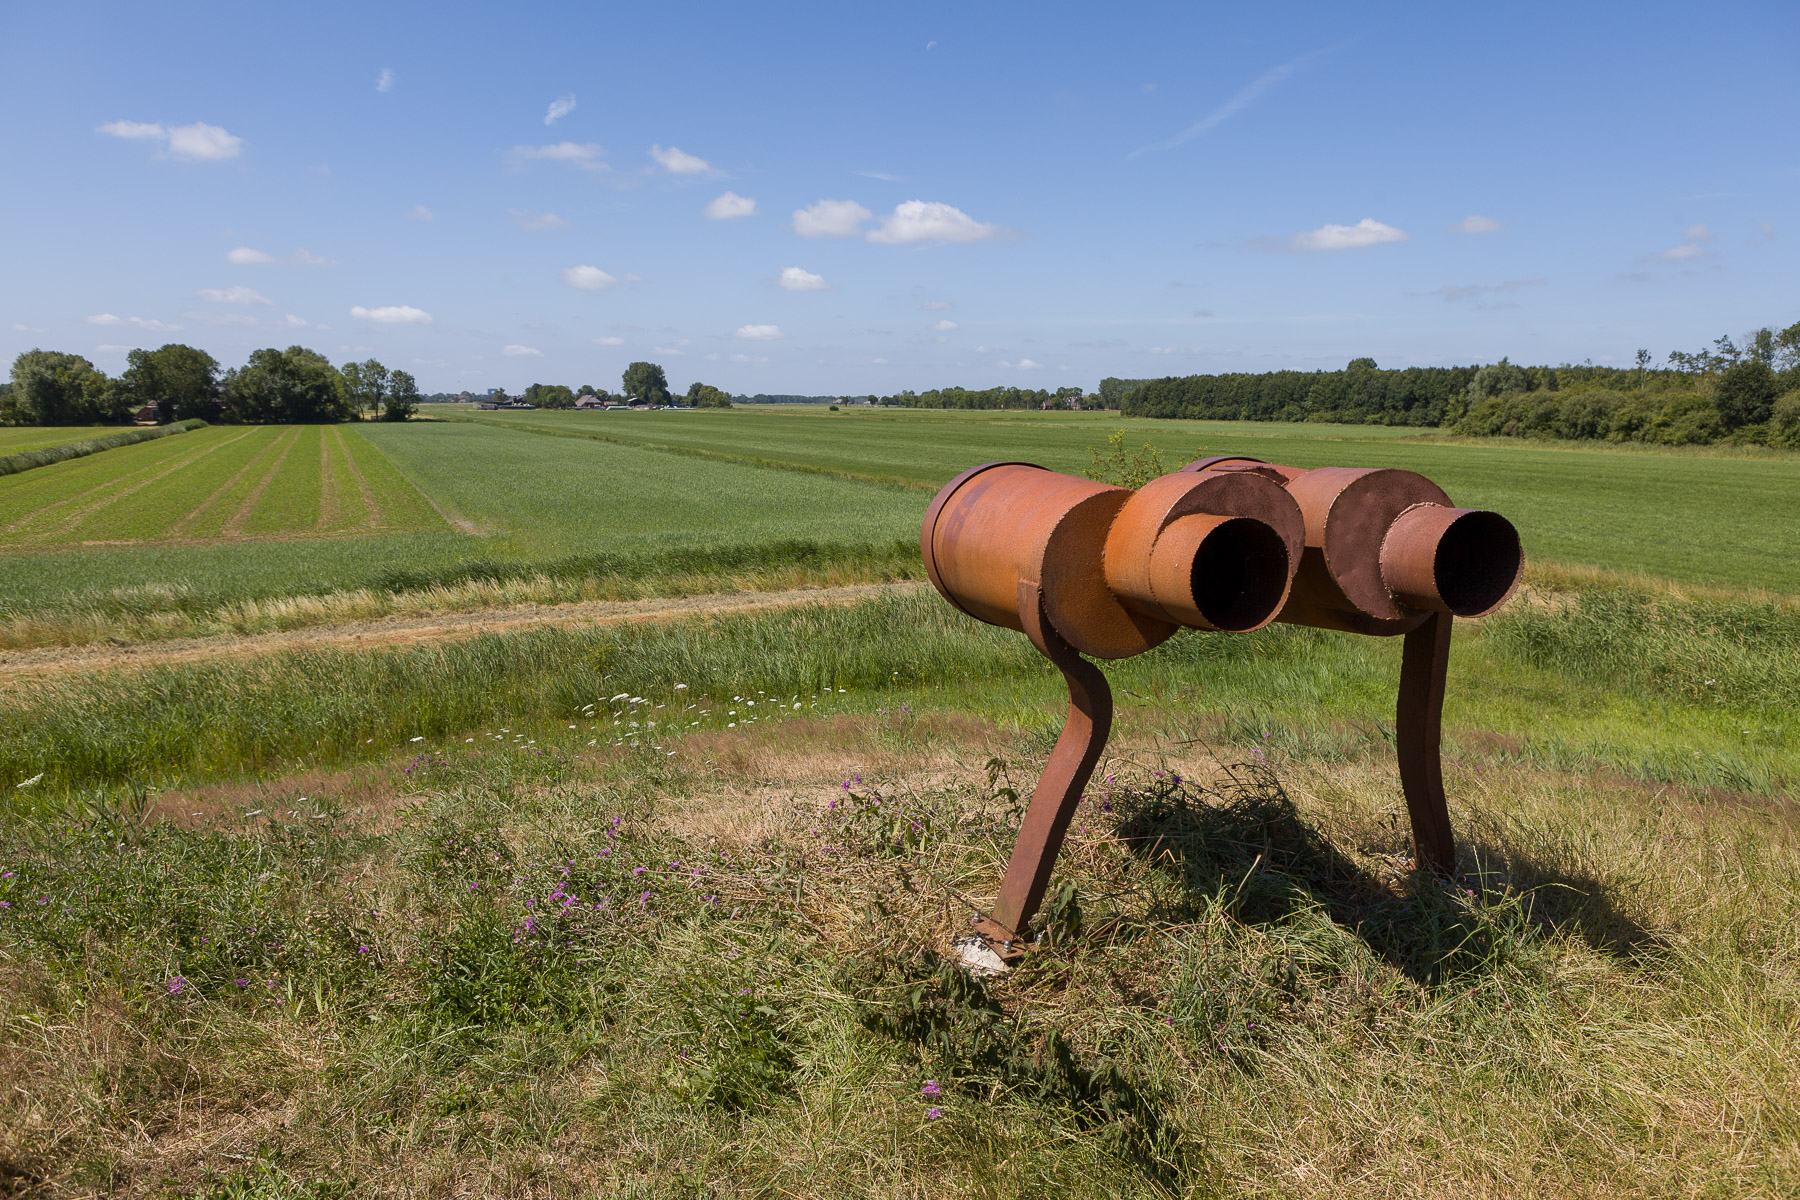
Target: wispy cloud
140	322
521	352
944	326
1693	245
758	333
384	82
198	142
236	294
584	155
392	314
1470	291
585	278
881	175
678	162
419	212
1242	99
1476	224
244	256
536	222
728	205
608	341
559	108
1327	238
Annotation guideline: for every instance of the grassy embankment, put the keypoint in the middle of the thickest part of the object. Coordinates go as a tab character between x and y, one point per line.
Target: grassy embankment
584	954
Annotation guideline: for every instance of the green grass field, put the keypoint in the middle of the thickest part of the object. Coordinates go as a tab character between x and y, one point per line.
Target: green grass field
1707	520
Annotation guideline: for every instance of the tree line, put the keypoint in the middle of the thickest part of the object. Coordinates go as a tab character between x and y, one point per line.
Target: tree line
644	381
990	398
292	386
1747	394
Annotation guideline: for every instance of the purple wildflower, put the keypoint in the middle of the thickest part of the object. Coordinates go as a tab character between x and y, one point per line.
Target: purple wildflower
175	984
931	1088
932	1114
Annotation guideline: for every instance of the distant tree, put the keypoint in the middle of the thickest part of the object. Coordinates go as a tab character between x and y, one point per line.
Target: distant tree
402	397
295	386
181	381
549	395
367	384
1643	367
52	388
1113	391
704	395
646	381
586	389
1745	393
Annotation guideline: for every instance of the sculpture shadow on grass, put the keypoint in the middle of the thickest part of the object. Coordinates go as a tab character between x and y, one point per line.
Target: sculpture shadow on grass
1241	843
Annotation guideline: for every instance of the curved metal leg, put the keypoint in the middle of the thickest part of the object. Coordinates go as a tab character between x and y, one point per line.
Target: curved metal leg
1424	663
1059	789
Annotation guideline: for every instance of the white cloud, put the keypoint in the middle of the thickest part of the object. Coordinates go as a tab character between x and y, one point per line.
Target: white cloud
676	162
609	341
306	258
1475	224
536	222
1025	364
295	322
585	155
935	305
198	142
758	333
671	351
140	322
235	294
930	221
943	326
831	218
747	358
201	142
1165	350
203	317
245	256
135	130
384	82
1691	245
392	314
1366	232
880	362
419	212
730	204
521	352
588	279
796	280
559	108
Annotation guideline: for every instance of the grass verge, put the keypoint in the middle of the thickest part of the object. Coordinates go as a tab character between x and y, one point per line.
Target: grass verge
25	460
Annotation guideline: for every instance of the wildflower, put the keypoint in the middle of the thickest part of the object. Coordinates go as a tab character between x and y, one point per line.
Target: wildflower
474	887
362	949
932	1114
175	984
40	774
242	983
931	1088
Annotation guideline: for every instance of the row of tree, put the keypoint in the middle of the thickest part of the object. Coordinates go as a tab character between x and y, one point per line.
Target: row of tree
176	382
990	398
643	381
1748	393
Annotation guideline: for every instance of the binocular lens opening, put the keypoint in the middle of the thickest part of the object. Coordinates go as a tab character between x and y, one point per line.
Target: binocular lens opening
1478	561
1240	574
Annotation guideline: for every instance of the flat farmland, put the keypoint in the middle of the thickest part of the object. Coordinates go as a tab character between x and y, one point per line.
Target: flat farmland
262	481
1695	518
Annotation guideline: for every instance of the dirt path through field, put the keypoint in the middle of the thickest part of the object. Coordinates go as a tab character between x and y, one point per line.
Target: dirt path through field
20	666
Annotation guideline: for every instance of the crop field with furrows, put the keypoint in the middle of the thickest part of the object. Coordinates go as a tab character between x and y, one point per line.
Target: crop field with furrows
263	481
1707	519
37	437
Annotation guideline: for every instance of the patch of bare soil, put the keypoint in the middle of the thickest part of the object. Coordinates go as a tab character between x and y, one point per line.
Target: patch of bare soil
19	665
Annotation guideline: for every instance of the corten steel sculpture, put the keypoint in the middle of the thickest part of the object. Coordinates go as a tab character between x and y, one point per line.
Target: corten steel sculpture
1223	544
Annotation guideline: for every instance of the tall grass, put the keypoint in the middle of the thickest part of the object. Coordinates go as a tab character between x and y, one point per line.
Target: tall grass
25	460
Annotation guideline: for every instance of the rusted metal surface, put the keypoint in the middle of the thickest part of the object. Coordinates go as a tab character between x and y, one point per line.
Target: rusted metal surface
1224	544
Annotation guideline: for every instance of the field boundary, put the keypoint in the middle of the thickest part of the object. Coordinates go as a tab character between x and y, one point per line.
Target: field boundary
46	456
912	485
81	514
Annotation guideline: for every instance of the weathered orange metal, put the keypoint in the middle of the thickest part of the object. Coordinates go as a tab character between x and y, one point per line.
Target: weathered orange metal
1086	568
1387	554
1226	544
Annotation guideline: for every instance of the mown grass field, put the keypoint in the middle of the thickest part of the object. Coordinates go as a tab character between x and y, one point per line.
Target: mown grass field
1699	519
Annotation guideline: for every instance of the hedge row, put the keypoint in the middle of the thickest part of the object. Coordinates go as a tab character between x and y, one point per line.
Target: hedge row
12	464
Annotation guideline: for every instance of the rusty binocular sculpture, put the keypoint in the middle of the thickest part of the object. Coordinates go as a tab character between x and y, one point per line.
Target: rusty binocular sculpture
1226	544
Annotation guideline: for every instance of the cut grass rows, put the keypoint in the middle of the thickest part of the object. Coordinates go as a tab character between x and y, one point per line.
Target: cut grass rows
221	483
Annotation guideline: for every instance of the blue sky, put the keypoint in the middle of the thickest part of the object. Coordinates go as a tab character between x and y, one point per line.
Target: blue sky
843	198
